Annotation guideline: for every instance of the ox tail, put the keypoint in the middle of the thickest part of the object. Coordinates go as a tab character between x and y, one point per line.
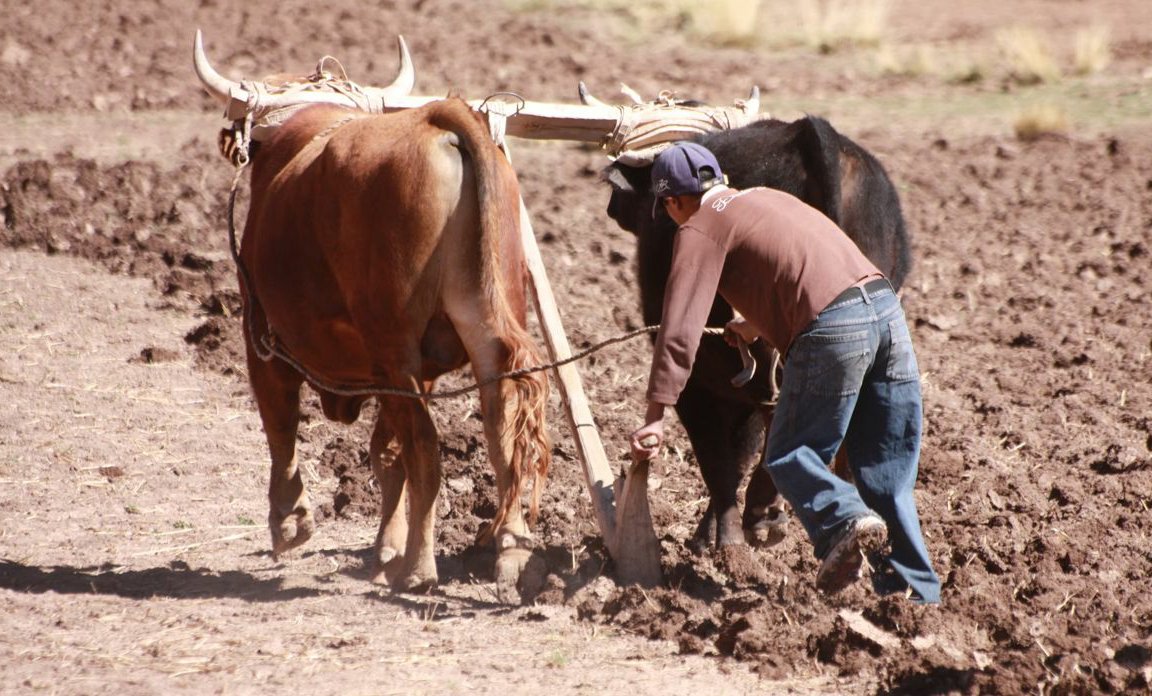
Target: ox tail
503	278
877	203
526	428
859	196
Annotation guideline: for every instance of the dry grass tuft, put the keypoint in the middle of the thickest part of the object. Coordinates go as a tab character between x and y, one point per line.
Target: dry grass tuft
643	17
726	22
1093	50
825	25
907	61
968	73
831	24
1029	58
1041	121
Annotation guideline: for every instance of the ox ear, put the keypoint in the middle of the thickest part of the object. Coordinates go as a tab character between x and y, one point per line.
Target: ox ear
616	178
627	179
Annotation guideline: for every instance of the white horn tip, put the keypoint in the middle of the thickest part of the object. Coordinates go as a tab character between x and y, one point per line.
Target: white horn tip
218	85
405	56
752	103
406	75
631	94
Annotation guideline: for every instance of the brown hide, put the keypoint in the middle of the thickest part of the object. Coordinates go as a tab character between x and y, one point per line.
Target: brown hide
384	250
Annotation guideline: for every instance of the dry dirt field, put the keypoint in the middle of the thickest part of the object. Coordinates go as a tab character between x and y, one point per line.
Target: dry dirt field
133	553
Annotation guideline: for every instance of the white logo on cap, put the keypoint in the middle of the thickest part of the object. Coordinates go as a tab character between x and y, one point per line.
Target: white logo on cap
661	186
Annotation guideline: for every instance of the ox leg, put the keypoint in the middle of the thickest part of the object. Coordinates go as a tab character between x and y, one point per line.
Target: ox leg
419	455
514	426
514	414
725	437
384	453
765	519
276	387
840	466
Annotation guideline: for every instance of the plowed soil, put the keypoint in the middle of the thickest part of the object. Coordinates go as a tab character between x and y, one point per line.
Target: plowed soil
133	552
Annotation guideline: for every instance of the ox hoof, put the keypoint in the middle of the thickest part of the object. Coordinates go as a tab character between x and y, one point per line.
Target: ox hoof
740	564
701	541
768	531
290	531
510	565
415	582
386	555
386	565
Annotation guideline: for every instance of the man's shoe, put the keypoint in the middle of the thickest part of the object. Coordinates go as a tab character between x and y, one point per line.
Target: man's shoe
862	536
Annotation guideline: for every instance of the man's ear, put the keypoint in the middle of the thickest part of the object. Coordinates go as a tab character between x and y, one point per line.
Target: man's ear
676	209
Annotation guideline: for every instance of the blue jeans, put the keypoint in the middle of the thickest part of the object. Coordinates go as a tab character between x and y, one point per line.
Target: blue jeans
851	380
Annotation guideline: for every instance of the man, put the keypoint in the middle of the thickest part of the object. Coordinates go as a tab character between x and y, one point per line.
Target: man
850	374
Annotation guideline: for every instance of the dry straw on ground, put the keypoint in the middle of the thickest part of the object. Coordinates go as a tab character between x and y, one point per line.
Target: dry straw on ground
831	24
1030	59
1093	50
1040	121
728	22
824	25
907	61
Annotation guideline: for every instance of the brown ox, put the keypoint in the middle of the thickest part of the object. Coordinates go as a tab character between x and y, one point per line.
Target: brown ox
384	251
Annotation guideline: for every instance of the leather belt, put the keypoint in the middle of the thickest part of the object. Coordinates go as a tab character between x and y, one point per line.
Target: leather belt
870	288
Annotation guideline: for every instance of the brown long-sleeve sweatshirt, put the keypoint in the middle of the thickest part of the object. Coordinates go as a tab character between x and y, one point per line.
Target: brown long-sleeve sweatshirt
774	258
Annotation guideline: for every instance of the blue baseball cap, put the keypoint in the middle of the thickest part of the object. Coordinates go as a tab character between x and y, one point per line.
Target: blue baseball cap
683	169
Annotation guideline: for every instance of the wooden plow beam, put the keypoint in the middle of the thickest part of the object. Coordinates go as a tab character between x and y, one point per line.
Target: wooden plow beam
621	505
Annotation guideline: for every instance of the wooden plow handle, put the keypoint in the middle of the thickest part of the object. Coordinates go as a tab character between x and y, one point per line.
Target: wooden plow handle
621	506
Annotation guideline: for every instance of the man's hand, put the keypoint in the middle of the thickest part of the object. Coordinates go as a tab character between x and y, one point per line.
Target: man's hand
739	330
647	440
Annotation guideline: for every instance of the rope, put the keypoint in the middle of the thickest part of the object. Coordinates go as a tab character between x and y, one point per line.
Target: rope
266	346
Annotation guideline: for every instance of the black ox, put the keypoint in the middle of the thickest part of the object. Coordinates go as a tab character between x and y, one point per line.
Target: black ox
811	160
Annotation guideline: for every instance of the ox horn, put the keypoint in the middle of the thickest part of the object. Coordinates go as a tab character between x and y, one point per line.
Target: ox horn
217	85
406	79
631	94
752	103
586	97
